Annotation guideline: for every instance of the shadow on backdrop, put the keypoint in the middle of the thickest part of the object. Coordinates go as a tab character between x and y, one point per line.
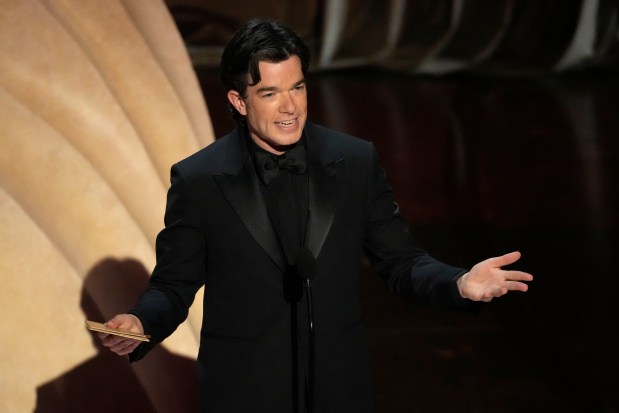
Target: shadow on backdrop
163	382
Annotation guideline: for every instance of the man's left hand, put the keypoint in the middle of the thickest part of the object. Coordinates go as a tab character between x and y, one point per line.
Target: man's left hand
487	280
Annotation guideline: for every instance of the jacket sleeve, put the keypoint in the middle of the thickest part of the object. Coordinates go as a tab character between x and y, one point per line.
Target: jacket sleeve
180	268
395	254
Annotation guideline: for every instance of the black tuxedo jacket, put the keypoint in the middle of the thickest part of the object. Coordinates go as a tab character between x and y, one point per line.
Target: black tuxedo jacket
218	233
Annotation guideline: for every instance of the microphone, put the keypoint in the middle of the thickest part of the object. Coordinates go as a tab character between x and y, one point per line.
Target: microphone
305	266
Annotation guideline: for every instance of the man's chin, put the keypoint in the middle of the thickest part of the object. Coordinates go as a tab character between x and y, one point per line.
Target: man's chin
279	147
276	140
284	148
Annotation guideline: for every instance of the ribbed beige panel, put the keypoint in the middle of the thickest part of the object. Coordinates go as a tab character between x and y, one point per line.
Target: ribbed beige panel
172	55
48	72
97	100
41	329
111	41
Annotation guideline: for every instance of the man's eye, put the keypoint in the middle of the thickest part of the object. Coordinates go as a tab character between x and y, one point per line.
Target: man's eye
268	95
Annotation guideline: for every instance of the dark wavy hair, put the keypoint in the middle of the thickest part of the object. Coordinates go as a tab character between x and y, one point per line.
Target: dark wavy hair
257	41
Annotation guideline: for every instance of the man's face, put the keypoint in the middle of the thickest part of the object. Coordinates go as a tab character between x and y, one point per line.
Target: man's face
275	107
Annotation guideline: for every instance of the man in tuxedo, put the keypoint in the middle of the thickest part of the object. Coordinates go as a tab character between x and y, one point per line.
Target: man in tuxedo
239	214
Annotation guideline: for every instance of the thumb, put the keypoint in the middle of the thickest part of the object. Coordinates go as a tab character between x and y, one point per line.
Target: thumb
115	322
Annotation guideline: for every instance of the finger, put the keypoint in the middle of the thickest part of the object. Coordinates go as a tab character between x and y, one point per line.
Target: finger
516	286
131	346
113	341
125	351
110	340
125	346
518	276
506	259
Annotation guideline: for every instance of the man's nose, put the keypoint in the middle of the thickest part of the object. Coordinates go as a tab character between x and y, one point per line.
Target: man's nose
287	104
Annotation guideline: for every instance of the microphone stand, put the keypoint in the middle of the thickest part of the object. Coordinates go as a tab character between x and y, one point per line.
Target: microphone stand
306	270
310	316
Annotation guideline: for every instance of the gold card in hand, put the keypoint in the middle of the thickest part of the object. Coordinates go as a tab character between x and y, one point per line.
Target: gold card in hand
101	328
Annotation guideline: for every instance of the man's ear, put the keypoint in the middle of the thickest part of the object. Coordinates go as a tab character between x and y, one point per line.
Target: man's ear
237	101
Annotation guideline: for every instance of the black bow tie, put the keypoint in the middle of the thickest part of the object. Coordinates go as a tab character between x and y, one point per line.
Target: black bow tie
269	165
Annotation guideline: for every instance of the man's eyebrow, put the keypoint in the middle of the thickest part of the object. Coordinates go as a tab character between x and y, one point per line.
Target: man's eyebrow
266	89
273	88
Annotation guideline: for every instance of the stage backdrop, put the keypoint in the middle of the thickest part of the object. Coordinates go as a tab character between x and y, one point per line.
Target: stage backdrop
97	100
430	37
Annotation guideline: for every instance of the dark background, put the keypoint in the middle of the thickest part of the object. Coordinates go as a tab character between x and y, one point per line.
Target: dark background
483	166
509	150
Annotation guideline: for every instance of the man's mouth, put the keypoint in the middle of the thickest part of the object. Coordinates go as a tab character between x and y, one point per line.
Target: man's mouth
286	123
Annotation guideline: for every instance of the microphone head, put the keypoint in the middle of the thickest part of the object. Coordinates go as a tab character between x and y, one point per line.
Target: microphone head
305	264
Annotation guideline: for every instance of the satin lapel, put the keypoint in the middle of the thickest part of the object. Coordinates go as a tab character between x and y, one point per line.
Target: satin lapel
240	187
324	188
